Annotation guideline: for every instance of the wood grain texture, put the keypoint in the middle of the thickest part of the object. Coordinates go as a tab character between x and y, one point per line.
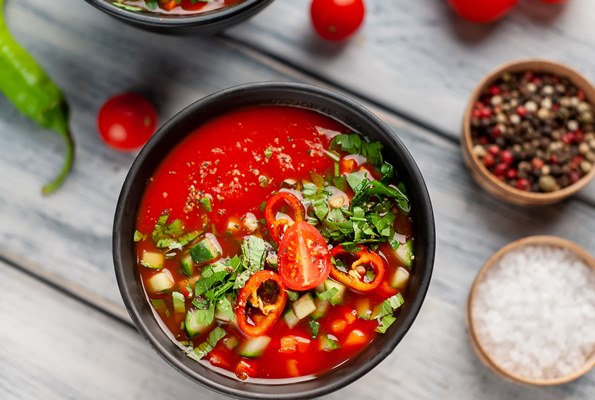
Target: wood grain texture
419	59
66	238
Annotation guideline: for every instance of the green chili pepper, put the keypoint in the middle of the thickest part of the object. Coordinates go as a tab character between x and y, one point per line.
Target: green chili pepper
31	90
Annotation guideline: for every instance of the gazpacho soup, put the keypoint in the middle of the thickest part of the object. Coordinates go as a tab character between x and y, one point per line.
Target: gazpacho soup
175	6
273	243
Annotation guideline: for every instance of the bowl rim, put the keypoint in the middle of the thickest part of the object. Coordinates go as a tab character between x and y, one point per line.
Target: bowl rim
156	20
120	241
487	178
481	352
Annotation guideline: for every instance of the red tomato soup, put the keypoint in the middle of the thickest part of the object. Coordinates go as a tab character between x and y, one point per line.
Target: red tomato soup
176	6
275	243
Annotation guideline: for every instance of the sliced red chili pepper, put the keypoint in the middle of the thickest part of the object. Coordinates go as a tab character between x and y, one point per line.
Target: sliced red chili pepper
260	303
358	264
286	203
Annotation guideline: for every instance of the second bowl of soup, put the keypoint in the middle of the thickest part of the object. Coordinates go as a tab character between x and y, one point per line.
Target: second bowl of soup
274	241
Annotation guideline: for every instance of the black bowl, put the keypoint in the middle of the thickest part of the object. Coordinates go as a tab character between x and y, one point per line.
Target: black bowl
175	130
204	23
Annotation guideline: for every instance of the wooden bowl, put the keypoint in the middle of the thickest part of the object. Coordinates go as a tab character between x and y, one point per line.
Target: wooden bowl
481	174
483	355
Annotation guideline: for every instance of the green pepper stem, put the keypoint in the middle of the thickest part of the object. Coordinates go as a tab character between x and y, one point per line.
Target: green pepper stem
66	167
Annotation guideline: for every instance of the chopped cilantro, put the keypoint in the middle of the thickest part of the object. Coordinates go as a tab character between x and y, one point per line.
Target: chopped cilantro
355	144
314	328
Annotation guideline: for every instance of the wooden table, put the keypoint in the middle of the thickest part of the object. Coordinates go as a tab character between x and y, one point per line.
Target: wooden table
64	333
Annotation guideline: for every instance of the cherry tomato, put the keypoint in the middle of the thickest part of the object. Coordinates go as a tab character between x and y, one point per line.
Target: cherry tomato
260	303
126	121
482	11
337	19
304	259
190	6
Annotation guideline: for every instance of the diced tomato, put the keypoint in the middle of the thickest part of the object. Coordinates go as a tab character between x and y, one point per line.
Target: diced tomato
291	344
168	5
217	359
385	290
288	344
338	325
350	317
185	284
246	368
355	338
292	368
347	166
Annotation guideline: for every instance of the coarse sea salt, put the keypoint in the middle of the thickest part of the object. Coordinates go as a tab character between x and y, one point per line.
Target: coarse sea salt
533	312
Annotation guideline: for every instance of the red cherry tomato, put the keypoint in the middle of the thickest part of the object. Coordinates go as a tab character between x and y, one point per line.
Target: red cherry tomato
482	11
304	259
337	19
190	6
126	121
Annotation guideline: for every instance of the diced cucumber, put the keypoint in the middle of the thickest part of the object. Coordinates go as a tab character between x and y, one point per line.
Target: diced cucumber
188	264
304	306
254	347
220	312
153	260
338	297
400	279
362	307
160	282
291	319
328	343
320	288
192	326
179	302
208	249
322	307
405	253
231	342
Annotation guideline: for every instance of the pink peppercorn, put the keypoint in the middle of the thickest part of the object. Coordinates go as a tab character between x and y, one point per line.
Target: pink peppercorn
537	163
495	90
506	157
523	184
489	160
521	111
494	150
511	174
568	137
500	169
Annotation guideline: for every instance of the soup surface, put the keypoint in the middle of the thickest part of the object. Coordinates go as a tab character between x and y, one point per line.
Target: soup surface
274	243
175	6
